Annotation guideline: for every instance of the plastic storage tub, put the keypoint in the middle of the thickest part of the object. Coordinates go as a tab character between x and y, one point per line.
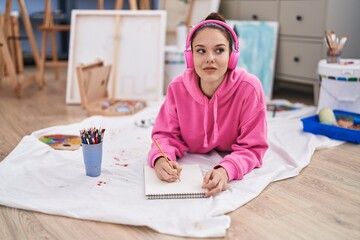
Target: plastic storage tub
311	124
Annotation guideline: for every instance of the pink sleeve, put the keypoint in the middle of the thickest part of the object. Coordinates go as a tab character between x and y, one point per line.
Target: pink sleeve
167	132
251	144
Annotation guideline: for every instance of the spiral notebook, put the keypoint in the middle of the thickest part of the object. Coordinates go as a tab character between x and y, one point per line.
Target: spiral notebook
188	187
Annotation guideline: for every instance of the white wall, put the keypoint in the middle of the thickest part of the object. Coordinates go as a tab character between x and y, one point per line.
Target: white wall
344	18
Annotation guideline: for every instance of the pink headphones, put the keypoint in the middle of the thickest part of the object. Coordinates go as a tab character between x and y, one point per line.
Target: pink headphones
234	55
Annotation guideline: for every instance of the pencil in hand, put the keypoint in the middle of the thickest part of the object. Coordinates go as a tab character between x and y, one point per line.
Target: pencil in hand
163	154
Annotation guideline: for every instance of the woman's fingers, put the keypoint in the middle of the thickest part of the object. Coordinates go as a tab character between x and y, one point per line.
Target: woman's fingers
170	174
167	171
215	182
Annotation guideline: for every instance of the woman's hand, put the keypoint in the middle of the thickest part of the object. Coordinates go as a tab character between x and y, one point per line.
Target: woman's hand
215	181
167	171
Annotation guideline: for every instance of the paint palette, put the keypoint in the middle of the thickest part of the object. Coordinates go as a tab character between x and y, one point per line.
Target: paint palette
62	141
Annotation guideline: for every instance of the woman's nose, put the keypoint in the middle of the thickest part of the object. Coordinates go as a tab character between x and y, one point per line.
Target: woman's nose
210	58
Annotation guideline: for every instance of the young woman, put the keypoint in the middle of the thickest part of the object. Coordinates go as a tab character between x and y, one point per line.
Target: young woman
213	105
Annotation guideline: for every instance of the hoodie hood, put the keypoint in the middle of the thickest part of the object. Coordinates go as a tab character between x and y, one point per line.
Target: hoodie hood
225	90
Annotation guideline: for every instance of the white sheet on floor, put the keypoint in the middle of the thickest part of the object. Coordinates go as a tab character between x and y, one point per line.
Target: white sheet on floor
36	177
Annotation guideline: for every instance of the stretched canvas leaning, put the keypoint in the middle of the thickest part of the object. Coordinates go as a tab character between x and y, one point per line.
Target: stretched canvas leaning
118	38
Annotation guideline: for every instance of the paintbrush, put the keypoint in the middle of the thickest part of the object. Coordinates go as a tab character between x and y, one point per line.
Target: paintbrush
342	42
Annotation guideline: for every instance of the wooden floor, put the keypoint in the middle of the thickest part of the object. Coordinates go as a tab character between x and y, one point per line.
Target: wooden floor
323	202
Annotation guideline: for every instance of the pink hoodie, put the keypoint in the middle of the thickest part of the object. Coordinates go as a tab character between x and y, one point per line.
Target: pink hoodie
232	121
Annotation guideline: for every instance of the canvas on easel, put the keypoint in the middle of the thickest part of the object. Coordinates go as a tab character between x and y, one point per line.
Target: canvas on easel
93	79
132	42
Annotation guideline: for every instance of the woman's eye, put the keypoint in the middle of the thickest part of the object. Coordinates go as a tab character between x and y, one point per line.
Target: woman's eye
220	50
201	51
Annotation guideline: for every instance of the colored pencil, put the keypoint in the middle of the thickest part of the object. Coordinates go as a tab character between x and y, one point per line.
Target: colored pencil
92	135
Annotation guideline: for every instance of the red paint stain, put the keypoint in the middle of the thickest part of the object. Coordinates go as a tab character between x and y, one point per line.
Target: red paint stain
100	183
123	165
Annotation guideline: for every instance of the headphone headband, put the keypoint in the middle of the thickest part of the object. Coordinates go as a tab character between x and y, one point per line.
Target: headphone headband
217	22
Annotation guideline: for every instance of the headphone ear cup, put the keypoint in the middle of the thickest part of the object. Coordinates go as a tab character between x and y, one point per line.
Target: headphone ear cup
233	59
189	58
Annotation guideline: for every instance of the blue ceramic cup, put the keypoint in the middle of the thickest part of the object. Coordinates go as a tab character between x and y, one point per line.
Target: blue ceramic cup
92	159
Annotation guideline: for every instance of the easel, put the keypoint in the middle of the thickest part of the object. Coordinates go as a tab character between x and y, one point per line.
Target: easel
49	28
14	43
119	4
5	55
143	4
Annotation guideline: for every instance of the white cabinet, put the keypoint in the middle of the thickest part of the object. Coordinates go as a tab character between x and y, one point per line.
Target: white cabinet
249	10
302	24
302	18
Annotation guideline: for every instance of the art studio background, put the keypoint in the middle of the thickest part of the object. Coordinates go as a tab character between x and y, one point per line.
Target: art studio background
292	47
53	53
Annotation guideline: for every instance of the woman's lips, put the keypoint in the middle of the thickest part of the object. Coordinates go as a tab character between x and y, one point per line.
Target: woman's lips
209	69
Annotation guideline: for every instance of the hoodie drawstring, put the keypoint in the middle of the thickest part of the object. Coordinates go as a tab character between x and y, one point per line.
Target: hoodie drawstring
216	134
215	128
205	145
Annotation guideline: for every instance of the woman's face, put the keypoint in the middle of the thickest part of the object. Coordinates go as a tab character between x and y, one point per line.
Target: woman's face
211	52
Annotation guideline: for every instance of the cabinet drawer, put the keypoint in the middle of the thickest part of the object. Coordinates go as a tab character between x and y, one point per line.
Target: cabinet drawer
298	58
302	18
258	10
